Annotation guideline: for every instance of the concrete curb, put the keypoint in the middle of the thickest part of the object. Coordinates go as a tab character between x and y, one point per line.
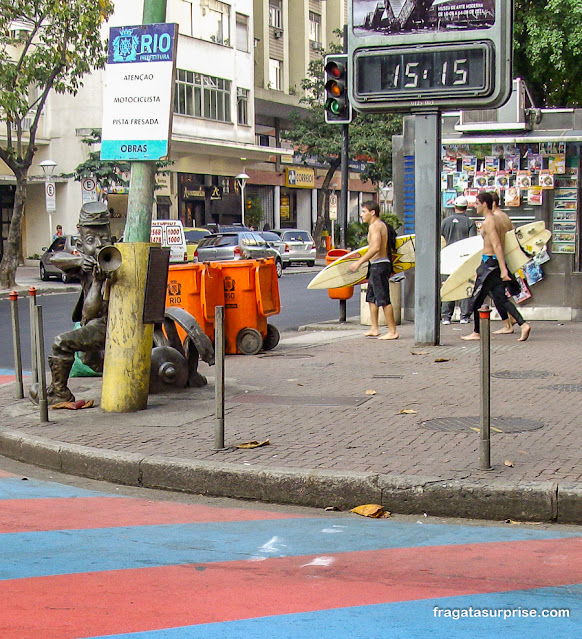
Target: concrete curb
522	501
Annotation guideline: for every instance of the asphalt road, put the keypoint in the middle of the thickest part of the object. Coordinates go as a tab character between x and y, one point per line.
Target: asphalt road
299	306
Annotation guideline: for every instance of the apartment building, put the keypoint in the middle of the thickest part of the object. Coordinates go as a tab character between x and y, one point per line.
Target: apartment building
288	35
213	134
239	69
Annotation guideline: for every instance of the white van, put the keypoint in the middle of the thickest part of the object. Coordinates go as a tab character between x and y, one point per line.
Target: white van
170	234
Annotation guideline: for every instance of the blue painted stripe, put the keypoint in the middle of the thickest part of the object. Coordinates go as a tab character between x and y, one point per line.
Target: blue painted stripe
133	149
407	620
17	488
76	551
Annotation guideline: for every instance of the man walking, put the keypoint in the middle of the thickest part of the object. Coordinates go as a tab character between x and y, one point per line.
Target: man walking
492	272
457	227
379	256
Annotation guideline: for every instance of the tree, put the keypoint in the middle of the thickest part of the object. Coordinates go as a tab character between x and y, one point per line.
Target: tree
44	45
370	139
547	43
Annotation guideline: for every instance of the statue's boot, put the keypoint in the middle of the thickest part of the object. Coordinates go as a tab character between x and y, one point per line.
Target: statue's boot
58	391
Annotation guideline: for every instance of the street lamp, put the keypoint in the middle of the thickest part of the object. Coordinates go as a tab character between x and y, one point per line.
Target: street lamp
241	179
48	168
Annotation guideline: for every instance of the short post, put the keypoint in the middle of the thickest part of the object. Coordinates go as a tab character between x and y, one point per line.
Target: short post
32	306
219	369
343	310
16	343
485	385
39	332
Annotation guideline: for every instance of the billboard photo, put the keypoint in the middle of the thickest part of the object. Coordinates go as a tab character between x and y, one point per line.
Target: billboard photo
397	17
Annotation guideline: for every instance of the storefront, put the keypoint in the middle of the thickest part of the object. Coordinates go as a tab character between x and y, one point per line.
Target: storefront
536	174
205	199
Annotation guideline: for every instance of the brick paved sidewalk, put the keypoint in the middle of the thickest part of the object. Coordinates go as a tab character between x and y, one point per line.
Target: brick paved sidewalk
314	403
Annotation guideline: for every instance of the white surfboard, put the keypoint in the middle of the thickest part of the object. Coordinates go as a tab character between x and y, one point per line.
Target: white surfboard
453	255
459	285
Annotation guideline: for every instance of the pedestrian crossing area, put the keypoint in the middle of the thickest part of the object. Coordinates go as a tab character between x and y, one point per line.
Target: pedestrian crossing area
78	563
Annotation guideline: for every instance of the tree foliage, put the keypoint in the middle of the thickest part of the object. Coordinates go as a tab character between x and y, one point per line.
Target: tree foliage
547	39
370	138
45	45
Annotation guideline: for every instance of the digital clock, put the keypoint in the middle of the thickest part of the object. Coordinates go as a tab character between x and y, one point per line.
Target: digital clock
423	73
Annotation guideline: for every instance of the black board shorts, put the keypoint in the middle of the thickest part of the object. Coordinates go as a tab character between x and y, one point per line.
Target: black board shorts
379	283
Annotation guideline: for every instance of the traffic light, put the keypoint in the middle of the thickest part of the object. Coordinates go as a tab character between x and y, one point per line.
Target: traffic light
337	106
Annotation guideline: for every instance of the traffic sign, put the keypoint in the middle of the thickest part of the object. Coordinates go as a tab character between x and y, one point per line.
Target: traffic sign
50	197
418	55
333	206
89	190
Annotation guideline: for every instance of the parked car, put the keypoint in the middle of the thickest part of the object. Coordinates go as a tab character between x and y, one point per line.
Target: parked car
193	236
222	228
240	245
66	243
274	241
301	245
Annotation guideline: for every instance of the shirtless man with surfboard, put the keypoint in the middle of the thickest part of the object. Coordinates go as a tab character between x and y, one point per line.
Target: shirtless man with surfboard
492	271
380	258
504	306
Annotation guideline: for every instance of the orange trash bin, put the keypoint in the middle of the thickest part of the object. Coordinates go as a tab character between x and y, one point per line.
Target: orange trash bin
251	294
191	288
344	292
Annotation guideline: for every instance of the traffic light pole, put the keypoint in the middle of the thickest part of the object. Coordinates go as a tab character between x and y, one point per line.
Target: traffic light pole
427	228
345	192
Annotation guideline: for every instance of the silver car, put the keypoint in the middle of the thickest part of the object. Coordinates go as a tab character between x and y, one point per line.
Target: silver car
66	243
301	245
242	245
274	241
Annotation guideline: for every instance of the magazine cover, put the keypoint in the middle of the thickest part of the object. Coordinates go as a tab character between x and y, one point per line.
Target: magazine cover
501	180
512	163
491	164
523	179
534	195
470	164
546	179
525	293
533	272
513	196
480	180
557	164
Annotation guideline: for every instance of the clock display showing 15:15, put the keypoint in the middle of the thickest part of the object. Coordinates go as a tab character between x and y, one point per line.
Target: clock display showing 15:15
444	70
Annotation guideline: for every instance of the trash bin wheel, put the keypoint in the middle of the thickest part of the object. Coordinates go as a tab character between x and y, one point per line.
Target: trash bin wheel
249	341
272	338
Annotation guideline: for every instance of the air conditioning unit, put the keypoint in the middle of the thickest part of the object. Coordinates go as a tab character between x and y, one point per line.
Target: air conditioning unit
316	46
278	33
512	116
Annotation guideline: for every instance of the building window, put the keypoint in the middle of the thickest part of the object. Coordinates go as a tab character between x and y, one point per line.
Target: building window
242	33
202	96
314	27
242	105
275	14
215	24
275	74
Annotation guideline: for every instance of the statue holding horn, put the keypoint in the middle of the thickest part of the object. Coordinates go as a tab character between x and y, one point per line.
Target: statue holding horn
96	260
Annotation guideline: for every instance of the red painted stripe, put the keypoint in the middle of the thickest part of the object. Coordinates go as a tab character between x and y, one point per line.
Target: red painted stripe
93	604
6	379
23	515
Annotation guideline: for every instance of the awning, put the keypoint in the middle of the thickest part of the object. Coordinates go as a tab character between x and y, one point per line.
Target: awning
532	137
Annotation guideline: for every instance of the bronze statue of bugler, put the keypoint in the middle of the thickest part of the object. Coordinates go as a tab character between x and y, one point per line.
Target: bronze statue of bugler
92	266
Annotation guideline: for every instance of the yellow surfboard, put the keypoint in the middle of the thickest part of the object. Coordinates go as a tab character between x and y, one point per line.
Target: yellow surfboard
533	237
337	274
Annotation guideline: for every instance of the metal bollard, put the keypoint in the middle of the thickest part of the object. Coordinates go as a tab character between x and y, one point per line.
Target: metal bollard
31	313
39	335
485	384
343	304
16	343
219	386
